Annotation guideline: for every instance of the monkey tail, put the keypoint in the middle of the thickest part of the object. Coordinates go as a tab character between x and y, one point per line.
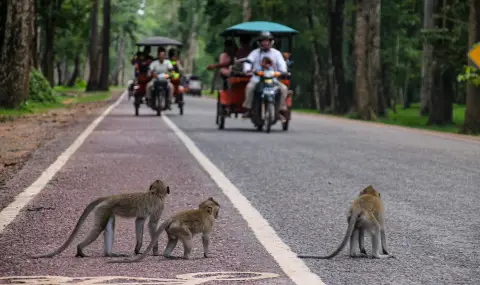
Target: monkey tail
75	231
155	237
351	226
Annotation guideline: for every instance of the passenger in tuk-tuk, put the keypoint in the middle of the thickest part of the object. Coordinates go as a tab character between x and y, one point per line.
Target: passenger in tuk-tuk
244	49
177	65
265	49
141	64
159	66
225	60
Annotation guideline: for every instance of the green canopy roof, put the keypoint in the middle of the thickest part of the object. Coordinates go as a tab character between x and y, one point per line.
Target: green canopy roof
256	27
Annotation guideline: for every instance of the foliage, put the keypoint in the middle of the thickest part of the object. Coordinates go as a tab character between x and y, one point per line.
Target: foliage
40	90
471	74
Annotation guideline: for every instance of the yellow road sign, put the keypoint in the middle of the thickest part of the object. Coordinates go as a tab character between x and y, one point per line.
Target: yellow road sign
474	55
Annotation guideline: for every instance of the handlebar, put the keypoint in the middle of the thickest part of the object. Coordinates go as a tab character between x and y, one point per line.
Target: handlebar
242	60
275	73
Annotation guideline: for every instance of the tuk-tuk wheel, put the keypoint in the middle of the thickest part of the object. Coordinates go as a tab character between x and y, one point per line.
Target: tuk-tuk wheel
285	125
180	106
137	106
220	117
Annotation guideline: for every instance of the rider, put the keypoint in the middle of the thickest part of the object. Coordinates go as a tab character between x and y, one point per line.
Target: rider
159	66
265	50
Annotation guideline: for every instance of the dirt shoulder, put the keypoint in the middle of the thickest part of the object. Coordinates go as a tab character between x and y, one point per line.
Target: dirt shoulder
20	137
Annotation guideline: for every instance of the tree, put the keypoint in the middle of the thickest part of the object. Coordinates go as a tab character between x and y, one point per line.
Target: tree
105	71
472	114
92	84
427	57
49	12
336	34
367	58
16	37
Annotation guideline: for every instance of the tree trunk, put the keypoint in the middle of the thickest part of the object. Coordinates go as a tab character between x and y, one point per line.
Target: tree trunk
441	98
34	33
64	70
16	23
48	55
427	58
192	42
336	32
86	69
472	113
247	11
367	58
59	73
76	71
319	97
105	46
118	62
93	72
48	64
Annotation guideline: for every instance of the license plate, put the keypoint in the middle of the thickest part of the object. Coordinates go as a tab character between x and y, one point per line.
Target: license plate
269	91
268	81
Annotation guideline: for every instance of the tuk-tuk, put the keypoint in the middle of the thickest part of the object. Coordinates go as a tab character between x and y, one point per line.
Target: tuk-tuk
265	112
158	102
194	86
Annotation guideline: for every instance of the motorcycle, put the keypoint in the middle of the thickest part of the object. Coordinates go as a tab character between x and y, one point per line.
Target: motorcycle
265	108
159	101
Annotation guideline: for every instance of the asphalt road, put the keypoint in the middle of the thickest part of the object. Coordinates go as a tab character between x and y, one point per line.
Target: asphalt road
301	182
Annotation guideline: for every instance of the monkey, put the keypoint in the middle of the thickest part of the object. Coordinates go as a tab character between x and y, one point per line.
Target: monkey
184	225
138	205
366	214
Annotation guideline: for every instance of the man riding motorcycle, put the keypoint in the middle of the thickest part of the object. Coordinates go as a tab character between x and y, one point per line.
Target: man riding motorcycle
265	49
159	66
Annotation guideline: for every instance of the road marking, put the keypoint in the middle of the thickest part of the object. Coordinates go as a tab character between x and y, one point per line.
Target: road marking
293	267
182	279
8	214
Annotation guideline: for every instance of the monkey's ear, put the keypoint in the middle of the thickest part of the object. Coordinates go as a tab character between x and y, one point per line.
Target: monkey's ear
211	199
168	190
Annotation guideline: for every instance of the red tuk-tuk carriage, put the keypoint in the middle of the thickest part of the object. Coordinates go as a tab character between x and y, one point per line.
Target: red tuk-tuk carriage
230	101
158	102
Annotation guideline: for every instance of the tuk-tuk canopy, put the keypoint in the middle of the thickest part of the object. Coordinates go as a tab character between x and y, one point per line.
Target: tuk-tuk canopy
256	27
159	41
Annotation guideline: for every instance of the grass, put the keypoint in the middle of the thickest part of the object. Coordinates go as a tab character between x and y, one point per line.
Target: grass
207	93
411	118
66	96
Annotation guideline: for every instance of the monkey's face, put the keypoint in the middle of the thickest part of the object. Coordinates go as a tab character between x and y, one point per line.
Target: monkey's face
158	188
211	206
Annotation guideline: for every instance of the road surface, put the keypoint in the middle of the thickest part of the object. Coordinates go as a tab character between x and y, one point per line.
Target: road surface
300	181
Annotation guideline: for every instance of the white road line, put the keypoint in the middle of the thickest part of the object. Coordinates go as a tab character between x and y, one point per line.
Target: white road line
8	214
293	267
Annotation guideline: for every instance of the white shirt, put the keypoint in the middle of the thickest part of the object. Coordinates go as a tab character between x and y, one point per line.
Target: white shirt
156	67
257	55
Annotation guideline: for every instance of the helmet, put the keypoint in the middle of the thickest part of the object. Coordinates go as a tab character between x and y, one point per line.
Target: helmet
265	35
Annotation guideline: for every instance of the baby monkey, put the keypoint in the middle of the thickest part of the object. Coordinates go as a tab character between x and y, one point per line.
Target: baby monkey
366	214
140	205
184	225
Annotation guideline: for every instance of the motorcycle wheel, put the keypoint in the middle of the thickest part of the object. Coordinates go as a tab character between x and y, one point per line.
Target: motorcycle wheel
269	116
